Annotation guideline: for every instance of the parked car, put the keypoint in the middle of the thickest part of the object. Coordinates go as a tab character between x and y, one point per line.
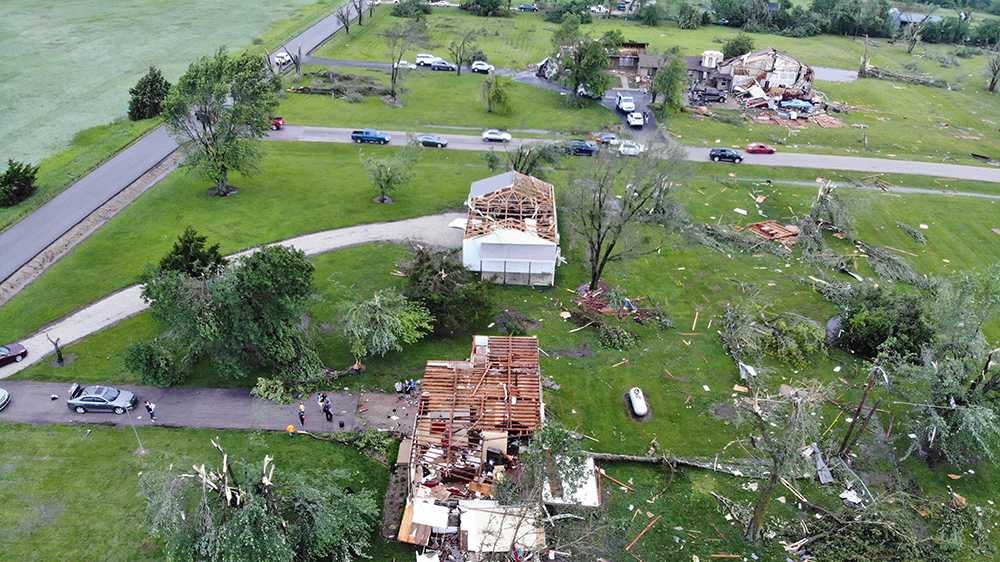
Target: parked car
605	137
622	6
760	148
12	353
99	398
431	140
441	64
599	9
277	123
528	8
371	136
636	120
281	58
625	104
4	399
630	148
712	95
725	155
580	147
582	92
482	67
424	59
405	64
496	135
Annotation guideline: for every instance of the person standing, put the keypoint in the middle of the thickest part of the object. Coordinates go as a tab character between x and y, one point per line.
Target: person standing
327	411
320	399
302	414
151	409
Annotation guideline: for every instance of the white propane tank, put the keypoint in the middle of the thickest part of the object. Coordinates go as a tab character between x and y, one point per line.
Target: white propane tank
638	401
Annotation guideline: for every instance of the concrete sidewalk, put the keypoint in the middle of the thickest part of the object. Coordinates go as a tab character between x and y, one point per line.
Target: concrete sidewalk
216	408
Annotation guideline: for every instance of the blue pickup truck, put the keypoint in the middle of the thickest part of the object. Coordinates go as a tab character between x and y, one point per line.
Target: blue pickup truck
370	135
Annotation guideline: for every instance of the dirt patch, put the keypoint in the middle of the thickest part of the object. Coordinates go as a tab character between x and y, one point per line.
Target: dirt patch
68	359
583	350
724	411
394	502
40	516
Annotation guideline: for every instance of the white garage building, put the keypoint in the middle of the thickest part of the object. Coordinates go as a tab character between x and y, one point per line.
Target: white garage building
511	234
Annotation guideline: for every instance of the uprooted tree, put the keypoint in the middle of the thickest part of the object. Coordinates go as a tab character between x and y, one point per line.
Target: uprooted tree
239	512
219	109
455	296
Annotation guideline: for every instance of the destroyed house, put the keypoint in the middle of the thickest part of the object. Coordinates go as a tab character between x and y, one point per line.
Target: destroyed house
627	56
767	69
511	233
472	418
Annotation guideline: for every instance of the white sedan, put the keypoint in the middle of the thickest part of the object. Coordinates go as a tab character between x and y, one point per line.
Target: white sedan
482	67
496	135
281	58
630	148
635	120
405	64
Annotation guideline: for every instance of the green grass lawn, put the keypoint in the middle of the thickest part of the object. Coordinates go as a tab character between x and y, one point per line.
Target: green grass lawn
301	188
84	56
67	490
444	99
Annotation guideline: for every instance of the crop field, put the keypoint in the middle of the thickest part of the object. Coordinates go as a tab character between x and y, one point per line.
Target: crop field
68	65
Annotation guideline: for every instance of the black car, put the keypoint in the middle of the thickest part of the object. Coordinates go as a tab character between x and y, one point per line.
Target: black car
580	147
433	141
528	8
12	352
725	155
443	65
712	95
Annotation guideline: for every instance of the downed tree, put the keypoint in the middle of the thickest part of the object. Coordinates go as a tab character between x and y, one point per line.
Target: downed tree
744	468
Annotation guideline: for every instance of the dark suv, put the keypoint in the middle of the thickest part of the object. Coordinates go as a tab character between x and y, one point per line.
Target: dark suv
580	147
712	95
725	155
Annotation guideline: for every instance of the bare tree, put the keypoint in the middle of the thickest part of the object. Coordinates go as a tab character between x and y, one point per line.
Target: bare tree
785	423
359	7
606	222
398	40
461	49
916	29
344	17
993	70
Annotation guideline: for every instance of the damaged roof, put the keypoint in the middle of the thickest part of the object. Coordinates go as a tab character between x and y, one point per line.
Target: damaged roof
512	201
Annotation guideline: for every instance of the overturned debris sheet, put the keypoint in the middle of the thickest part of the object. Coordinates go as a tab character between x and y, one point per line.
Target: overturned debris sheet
772	230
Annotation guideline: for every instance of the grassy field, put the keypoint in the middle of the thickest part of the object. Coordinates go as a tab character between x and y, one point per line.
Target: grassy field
76	61
444	99
58	477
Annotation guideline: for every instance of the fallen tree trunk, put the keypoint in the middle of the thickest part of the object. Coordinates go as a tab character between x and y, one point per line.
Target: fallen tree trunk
744	468
918	79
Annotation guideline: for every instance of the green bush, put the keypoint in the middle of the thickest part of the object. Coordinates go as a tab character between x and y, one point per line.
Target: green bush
191	256
878	319
155	363
410	9
273	390
456	297
146	97
795	340
612	336
17	183
741	44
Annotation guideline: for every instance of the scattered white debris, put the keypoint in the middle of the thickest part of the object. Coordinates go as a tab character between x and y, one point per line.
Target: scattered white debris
912	435
836	369
782	499
740	211
923	226
705	388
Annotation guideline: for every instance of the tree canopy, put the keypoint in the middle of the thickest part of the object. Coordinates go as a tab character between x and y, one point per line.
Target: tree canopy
456	297
385	323
190	255
147	96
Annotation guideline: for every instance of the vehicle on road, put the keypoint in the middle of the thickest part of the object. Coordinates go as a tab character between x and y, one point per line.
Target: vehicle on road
636	120
441	64
405	64
99	398
725	155
12	353
433	141
496	135
4	399
482	67
371	136
528	8
760	148
711	95
625	104
582	92
277	123
605	137
578	147
425	59
281	58
630	148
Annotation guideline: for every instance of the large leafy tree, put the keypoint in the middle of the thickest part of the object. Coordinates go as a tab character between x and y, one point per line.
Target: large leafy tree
456	297
741	44
669	83
147	96
585	64
246	512
385	323
241	318
219	109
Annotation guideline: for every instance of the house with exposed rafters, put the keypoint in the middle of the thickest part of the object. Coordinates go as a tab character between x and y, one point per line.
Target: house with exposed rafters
511	232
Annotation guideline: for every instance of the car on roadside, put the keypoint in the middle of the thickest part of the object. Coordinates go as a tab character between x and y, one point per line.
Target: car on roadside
425	59
630	148
405	65
442	64
760	148
99	398
625	104
604	137
711	95
432	141
277	123
636	120
527	8
281	58
4	399
482	67
12	353
725	155
496	135
578	147
370	136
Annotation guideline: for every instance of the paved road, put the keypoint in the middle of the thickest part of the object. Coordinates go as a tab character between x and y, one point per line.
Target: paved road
217	408
317	34
826	74
697	154
431	229
28	237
